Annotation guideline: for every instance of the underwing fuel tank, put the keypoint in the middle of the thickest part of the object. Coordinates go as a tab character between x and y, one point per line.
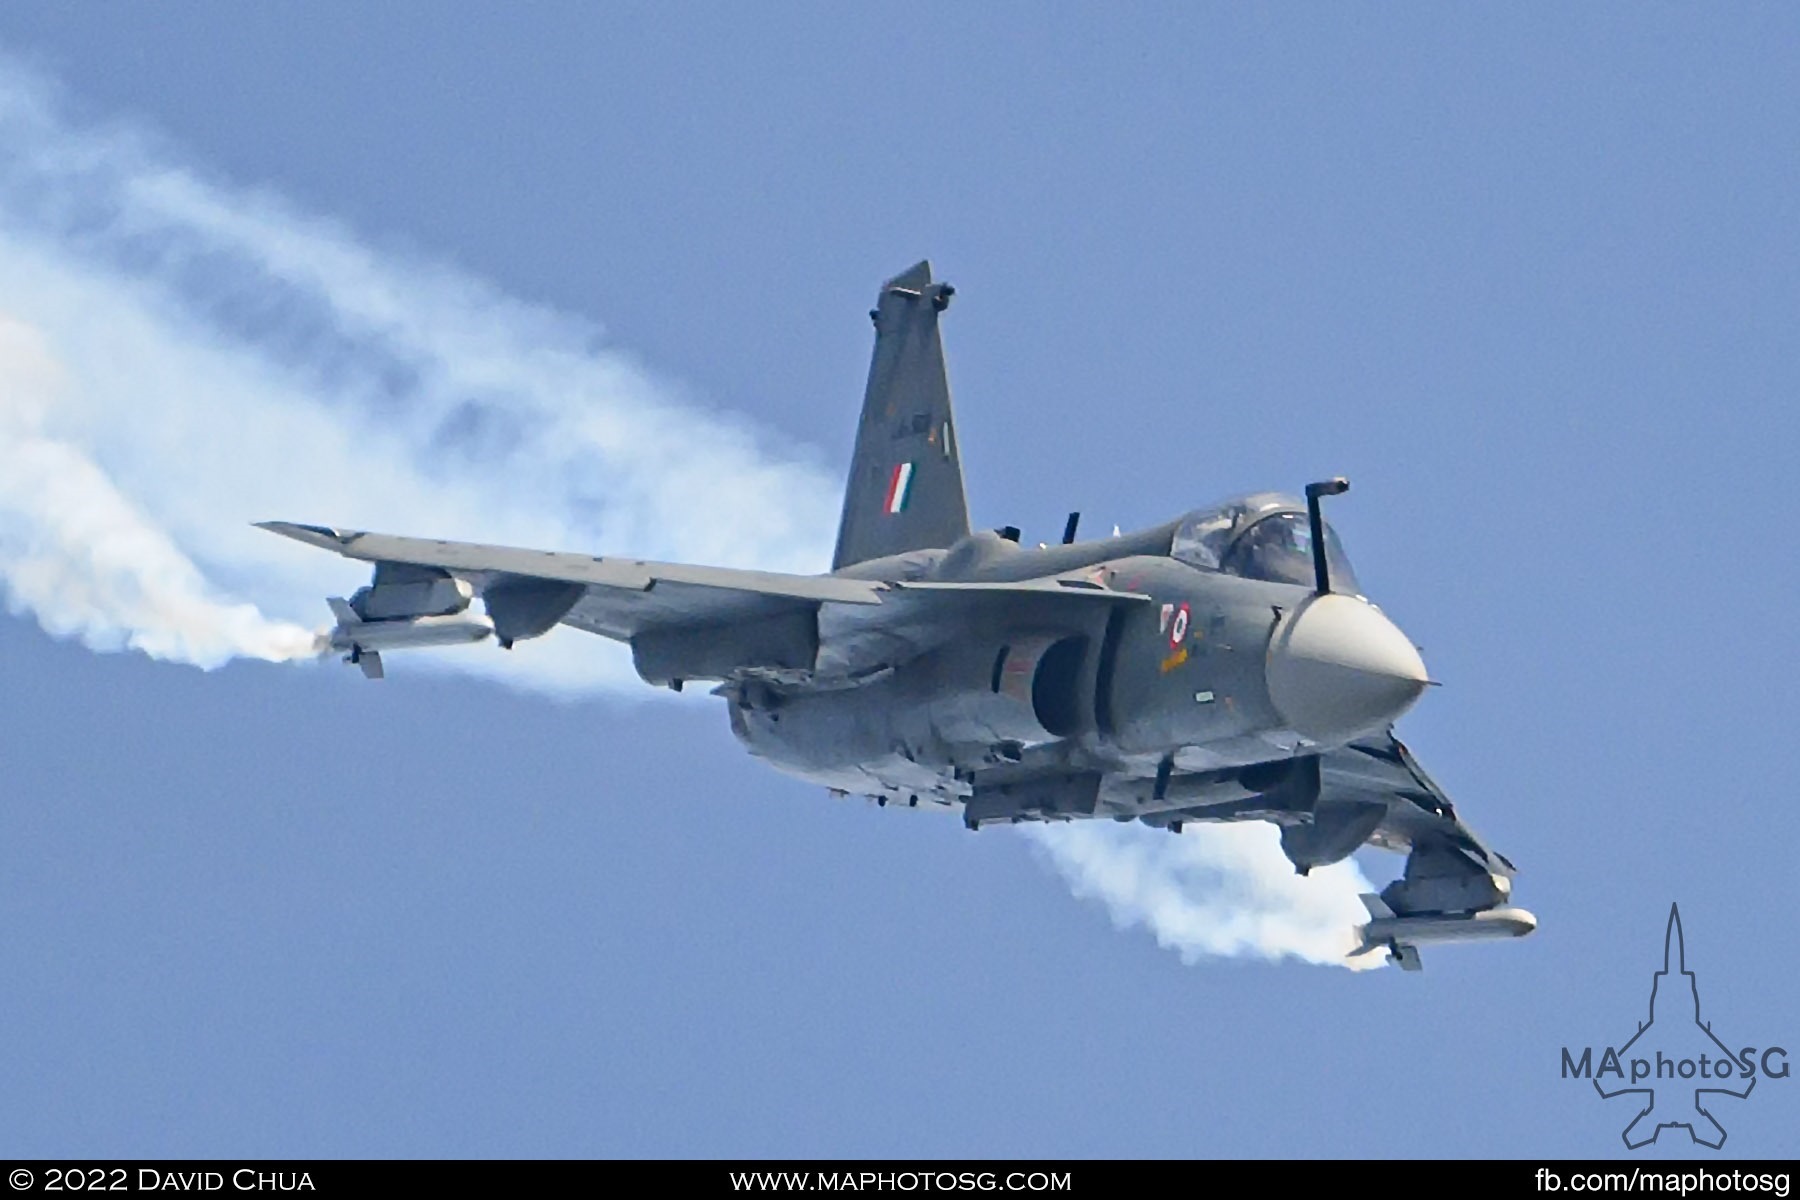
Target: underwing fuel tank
409	613
411	633
1404	935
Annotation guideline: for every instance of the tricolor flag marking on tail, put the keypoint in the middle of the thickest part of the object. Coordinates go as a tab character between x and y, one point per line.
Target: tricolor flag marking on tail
898	487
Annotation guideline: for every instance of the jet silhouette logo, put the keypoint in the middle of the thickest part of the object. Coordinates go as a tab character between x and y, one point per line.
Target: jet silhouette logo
1675	1053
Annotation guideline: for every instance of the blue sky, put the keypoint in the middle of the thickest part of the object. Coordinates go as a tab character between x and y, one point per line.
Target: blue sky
1528	278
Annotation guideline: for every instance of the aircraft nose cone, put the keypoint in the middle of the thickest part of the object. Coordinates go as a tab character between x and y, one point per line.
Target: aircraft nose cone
1338	668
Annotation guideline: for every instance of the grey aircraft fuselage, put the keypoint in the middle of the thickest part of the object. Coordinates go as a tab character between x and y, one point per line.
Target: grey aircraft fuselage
1183	679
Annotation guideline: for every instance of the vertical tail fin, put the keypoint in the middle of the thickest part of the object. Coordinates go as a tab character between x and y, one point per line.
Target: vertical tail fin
906	486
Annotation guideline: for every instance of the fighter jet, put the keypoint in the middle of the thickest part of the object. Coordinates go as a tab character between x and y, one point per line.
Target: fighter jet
1221	666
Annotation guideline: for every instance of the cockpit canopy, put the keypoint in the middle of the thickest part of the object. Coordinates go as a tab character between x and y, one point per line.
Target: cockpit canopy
1263	536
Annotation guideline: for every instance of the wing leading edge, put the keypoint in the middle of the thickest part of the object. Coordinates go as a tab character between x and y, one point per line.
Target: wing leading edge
1380	769
615	597
682	622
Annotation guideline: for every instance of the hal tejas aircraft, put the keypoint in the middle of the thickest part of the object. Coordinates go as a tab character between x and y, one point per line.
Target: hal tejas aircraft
1223	666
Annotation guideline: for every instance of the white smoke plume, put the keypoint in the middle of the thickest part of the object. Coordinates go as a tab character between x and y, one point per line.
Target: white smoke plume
180	357
87	560
1214	890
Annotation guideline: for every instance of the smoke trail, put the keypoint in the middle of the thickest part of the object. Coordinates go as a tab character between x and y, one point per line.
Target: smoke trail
1214	890
82	556
180	357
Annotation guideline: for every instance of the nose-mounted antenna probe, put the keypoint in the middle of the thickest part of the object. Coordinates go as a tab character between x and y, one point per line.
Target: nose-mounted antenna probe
1321	568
